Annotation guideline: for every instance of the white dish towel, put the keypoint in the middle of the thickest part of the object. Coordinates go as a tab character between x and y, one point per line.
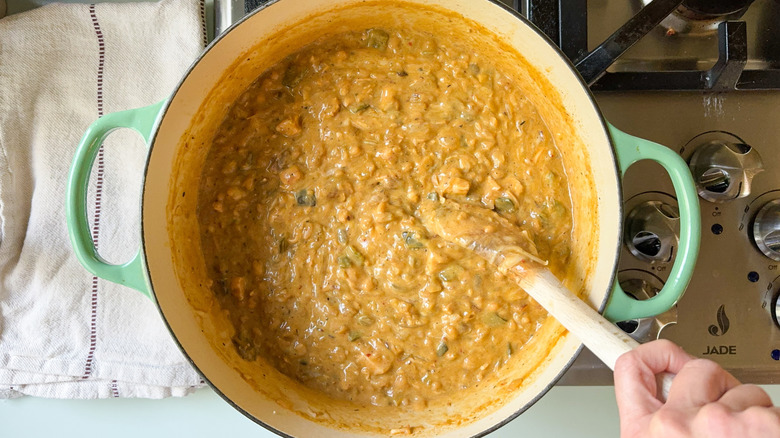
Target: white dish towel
64	333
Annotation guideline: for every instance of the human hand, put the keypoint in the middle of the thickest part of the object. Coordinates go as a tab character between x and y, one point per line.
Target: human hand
704	400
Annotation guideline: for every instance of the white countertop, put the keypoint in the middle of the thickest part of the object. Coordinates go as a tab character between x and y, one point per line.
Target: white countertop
582	412
564	411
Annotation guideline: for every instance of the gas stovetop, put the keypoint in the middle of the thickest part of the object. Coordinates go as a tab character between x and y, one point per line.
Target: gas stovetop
703	78
708	87
728	311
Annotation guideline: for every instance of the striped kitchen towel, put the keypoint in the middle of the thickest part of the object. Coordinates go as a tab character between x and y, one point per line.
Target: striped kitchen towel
63	332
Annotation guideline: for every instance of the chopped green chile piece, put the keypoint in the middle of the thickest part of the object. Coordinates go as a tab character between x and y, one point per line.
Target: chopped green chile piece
344	262
558	210
412	240
365	320
354	336
284	244
377	39
245	344
450	273
354	256
220	287
508	349
398	287
359	108
505	205
293	76
474	68
491	319
550	178
442	349
433	196
306	198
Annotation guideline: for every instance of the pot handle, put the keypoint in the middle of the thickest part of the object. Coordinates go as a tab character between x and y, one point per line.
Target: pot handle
132	273
630	149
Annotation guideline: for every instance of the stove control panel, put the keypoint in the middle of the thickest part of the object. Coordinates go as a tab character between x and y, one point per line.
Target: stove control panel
723	166
651	231
730	312
643	285
766	229
774	309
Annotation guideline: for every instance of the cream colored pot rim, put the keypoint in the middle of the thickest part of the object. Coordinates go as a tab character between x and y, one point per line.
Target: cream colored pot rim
563	60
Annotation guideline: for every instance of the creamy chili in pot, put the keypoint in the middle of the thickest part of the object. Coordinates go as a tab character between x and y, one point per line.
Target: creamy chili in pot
308	211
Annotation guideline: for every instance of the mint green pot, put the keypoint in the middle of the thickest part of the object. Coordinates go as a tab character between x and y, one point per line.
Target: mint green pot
169	270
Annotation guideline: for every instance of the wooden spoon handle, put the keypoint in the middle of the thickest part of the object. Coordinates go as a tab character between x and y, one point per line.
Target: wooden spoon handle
664	382
606	340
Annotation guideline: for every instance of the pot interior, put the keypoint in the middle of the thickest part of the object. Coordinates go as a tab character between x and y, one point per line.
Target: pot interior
172	242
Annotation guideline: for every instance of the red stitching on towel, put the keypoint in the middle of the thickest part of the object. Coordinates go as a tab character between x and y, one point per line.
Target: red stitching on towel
203	22
114	389
98	194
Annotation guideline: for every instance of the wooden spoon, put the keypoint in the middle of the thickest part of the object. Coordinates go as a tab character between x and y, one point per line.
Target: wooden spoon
514	254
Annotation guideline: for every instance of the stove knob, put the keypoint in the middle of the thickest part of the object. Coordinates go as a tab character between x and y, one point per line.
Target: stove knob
774	309
643	330
643	285
723	170
766	229
651	231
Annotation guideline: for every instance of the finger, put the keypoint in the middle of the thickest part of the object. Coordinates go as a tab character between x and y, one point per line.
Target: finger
760	422
635	371
742	397
662	356
699	382
716	419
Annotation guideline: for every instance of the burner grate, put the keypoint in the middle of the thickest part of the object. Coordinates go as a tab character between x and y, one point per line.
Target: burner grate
568	27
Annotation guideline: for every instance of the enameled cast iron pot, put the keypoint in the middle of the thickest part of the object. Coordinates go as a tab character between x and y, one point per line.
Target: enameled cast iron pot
169	267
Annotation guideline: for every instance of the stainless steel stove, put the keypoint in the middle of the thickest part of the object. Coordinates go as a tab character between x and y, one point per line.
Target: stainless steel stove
711	92
703	78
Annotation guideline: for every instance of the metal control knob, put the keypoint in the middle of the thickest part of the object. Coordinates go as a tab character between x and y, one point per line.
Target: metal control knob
774	309
723	166
643	285
766	229
651	231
